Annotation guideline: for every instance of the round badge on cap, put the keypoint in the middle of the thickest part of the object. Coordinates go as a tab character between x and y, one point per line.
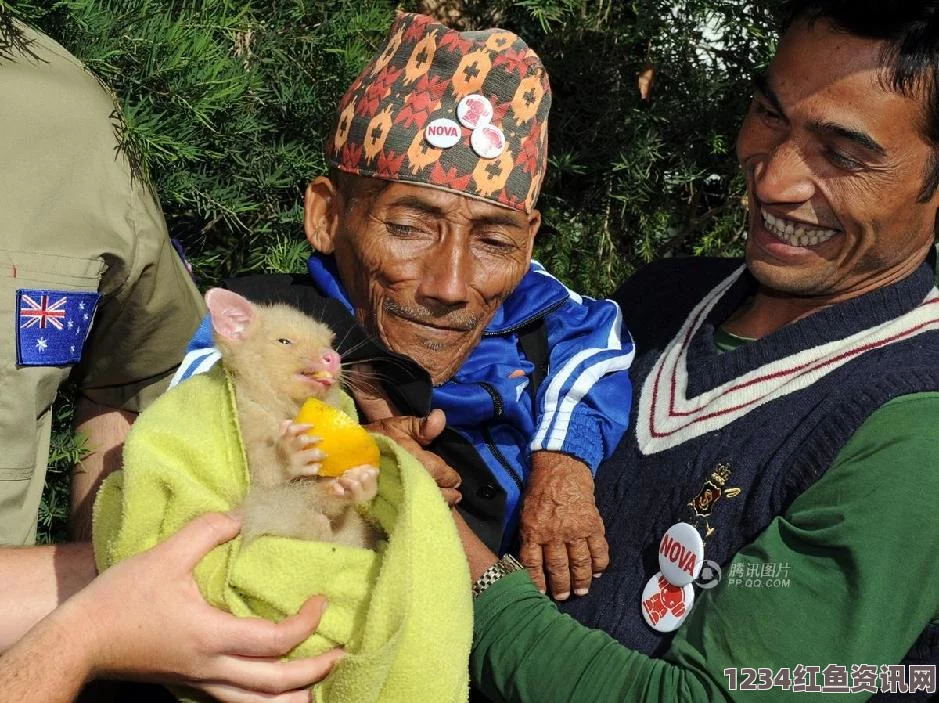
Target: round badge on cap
474	111
681	554
488	141
664	606
443	133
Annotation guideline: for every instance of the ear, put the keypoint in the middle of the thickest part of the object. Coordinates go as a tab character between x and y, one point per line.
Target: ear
321	214
534	224
231	314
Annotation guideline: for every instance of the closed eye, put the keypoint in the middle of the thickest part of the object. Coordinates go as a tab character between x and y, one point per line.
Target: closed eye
401	230
499	244
844	162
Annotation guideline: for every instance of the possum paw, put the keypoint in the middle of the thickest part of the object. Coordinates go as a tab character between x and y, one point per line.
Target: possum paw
357	485
299	449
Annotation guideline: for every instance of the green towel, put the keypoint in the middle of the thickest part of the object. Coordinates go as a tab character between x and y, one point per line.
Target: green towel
403	614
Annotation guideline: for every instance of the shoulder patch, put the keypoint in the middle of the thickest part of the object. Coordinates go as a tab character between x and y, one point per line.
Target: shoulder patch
52	325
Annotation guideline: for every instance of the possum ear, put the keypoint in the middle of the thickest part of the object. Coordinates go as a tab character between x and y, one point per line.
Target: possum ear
231	314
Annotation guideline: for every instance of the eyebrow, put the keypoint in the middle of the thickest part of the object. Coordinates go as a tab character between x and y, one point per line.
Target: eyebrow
414	203
824	129
862	139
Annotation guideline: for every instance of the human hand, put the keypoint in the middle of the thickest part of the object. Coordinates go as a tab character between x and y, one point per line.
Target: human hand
415	433
146	619
370	399
299	449
561	529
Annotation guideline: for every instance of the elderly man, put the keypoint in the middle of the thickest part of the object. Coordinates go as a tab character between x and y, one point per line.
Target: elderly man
785	414
424	230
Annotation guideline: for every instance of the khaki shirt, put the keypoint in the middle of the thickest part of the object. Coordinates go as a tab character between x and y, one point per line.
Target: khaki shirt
73	219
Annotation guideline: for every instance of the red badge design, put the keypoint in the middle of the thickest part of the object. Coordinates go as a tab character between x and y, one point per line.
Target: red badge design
474	111
681	554
443	133
488	141
664	606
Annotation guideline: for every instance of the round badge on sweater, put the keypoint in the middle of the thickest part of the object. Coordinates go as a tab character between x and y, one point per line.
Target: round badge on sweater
665	606
488	141
474	111
681	554
443	133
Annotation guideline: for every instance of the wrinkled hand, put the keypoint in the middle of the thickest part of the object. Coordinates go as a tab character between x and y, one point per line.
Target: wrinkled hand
415	433
561	530
145	618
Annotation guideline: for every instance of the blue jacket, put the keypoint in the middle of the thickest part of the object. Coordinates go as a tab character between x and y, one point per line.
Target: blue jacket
581	408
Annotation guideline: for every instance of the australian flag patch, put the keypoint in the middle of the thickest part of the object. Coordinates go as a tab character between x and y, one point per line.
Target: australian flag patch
52	326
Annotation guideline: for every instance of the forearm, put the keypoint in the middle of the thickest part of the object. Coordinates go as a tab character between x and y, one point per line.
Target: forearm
49	664
525	650
106	429
478	555
35	580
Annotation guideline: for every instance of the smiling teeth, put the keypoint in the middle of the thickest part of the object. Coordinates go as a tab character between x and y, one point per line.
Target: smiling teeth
796	235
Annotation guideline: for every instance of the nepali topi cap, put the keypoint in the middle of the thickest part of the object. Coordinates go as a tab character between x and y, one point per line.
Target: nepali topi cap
466	112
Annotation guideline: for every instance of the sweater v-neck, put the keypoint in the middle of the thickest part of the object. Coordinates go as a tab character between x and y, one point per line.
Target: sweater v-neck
708	368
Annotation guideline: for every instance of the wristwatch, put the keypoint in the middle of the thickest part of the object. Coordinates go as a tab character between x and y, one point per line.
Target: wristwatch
506	565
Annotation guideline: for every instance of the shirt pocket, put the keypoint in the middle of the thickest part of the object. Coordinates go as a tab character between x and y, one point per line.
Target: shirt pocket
27	392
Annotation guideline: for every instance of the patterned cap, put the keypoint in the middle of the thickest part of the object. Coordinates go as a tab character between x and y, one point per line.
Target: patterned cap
466	112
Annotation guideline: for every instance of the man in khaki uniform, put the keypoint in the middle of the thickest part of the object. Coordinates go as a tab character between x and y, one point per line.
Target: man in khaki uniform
90	285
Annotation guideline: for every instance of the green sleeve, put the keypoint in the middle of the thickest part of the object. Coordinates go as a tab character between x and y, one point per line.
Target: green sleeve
857	580
524	649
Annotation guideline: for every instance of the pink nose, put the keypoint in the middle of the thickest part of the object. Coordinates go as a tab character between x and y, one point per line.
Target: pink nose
330	360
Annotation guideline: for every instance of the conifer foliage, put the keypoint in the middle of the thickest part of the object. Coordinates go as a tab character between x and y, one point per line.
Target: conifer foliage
227	104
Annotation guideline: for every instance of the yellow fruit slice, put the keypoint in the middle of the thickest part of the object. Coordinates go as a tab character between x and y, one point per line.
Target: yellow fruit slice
345	442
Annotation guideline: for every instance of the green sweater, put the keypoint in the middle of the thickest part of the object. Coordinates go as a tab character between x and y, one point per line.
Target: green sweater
856	564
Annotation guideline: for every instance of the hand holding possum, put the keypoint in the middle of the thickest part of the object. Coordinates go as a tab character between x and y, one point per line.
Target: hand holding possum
415	433
278	358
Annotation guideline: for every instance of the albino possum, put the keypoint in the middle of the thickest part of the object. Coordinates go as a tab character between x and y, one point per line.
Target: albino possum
278	358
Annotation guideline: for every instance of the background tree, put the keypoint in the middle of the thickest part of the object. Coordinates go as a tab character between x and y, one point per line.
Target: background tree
227	104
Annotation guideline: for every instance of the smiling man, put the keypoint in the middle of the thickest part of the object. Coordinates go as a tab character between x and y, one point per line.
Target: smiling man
424	230
785	413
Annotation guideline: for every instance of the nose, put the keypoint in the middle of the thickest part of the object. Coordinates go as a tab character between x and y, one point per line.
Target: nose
330	360
445	275
782	175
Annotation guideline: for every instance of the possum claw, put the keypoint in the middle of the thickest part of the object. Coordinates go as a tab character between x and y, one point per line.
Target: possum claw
307	470
298	449
357	485
293	429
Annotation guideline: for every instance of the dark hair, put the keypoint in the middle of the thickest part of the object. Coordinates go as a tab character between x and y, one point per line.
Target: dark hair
910	30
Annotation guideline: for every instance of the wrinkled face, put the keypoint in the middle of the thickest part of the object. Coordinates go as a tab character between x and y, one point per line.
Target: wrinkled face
835	163
425	269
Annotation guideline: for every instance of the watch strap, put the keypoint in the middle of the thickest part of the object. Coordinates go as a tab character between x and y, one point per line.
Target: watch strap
506	565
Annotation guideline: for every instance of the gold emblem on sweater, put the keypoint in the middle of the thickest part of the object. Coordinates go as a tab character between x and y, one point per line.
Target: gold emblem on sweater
702	505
